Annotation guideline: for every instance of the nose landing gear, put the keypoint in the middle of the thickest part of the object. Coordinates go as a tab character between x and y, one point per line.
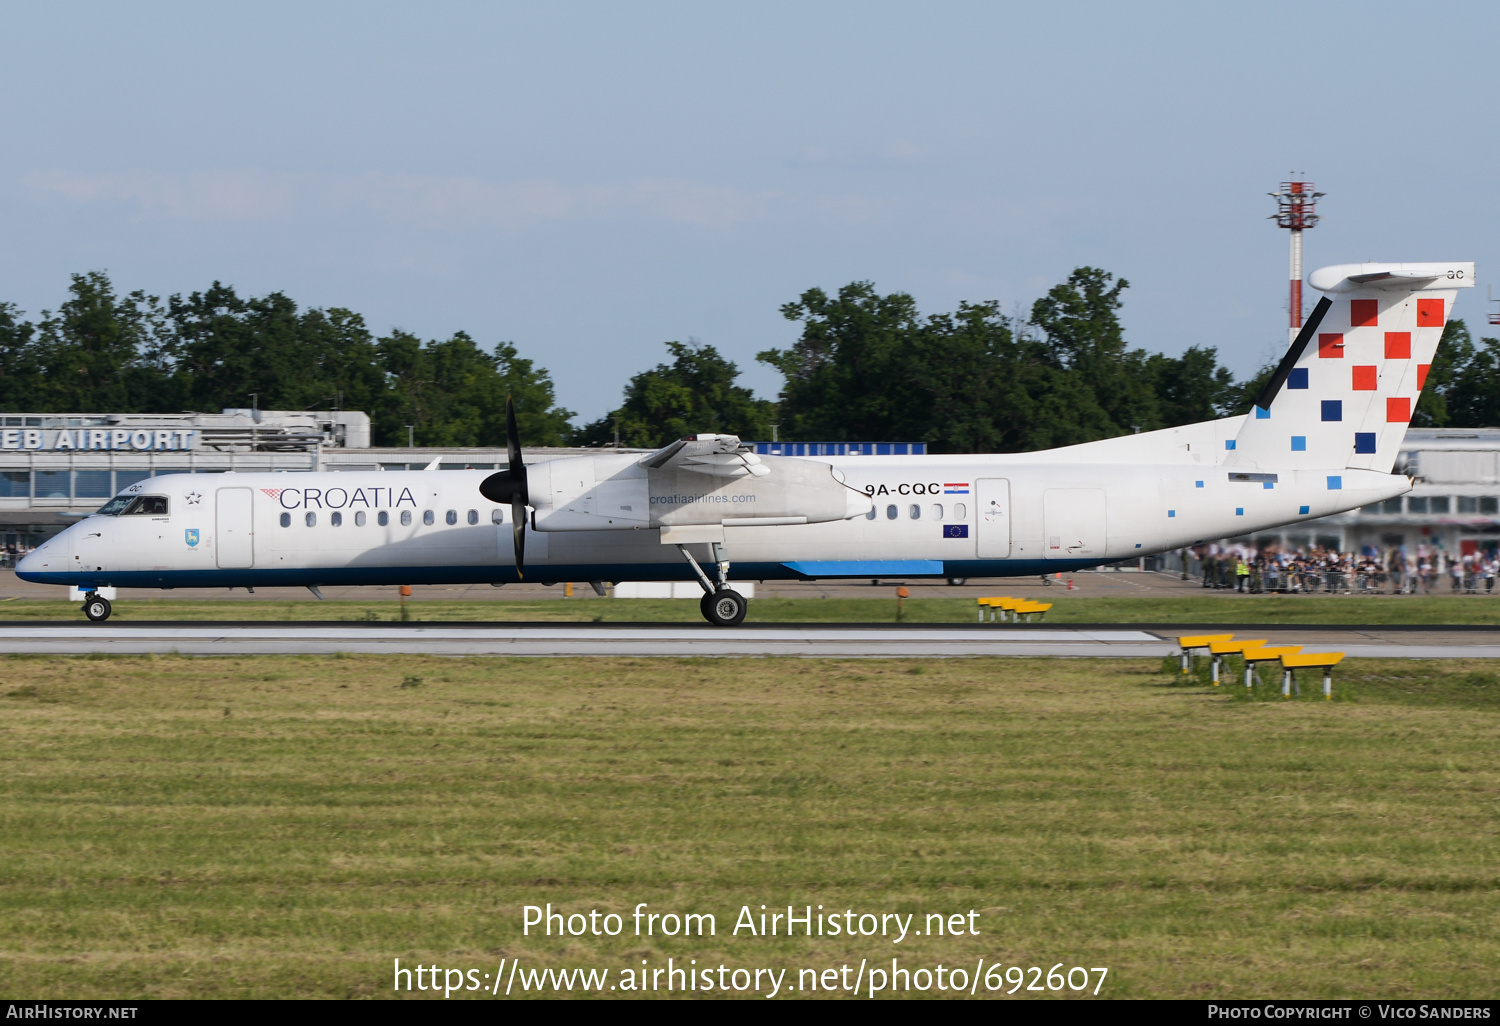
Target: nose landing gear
721	605
97	609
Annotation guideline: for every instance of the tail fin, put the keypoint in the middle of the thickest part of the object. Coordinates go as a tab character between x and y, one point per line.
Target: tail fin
1344	393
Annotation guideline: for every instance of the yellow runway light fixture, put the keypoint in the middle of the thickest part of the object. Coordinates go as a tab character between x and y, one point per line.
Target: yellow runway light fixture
1220	649
1324	661
1190	642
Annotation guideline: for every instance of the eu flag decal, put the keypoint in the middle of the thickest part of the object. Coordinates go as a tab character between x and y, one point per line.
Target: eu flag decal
955	530
959	488
191	536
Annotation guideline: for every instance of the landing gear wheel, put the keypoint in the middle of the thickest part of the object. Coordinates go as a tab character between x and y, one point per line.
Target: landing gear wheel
703	607
725	608
97	609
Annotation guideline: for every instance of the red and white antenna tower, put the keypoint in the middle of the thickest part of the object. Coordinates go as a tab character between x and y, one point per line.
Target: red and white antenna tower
1296	206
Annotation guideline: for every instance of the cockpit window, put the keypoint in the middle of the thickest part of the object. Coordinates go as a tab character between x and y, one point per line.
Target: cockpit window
148	506
135	506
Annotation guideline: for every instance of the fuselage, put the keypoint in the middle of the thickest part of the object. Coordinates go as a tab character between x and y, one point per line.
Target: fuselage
959	516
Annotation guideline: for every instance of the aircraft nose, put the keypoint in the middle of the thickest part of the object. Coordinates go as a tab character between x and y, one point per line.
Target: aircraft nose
30	563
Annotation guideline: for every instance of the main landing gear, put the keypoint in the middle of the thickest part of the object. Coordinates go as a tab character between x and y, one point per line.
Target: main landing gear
721	605
96	608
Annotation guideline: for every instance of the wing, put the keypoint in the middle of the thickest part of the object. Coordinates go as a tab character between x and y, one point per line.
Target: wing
711	455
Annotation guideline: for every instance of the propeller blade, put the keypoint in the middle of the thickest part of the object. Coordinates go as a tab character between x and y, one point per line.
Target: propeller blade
513	442
518	533
519	495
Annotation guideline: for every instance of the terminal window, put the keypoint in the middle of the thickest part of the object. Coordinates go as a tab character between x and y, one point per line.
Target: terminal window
91	484
53	484
1416	504
15	484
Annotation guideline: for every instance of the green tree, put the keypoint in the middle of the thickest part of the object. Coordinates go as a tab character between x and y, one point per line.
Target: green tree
1449	380
100	352
868	368
849	377
20	372
453	393
1080	321
694	394
1192	387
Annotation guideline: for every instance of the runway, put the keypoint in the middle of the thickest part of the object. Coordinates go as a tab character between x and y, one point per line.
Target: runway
813	640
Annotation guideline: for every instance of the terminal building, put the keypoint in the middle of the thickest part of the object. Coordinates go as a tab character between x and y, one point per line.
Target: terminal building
57	466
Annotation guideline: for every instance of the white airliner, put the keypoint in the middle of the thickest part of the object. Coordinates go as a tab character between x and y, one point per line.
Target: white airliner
1322	438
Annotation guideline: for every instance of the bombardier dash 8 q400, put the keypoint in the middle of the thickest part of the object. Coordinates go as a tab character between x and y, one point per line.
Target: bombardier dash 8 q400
1322	438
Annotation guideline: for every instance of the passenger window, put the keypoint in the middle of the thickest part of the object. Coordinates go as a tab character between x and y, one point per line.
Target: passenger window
286	520
473	517
870	515
891	512
406	518
937	511
451	517
336	519
427	517
959	511
497	516
382	518
915	512
359	519
311	520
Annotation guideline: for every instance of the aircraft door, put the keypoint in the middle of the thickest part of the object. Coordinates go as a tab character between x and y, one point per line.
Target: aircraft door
234	528
992	504
1073	522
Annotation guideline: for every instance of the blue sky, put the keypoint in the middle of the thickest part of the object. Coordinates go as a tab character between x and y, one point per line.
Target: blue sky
593	180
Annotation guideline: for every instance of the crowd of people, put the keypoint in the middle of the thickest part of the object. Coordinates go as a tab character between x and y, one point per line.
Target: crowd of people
1426	571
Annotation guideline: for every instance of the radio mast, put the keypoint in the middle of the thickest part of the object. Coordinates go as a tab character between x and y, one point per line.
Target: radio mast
1296	206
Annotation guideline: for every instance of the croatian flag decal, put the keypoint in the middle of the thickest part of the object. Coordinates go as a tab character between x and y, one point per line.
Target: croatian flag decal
955	530
958	488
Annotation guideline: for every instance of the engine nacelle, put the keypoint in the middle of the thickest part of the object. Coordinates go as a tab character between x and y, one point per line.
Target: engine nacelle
617	492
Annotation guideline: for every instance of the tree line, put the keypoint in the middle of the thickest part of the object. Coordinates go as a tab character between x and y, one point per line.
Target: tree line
866	367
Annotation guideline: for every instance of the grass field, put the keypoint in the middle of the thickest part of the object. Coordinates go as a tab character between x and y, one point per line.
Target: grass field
1165	608
286	826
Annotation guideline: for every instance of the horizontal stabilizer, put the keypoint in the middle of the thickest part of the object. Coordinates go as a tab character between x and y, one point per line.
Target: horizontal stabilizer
1407	277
